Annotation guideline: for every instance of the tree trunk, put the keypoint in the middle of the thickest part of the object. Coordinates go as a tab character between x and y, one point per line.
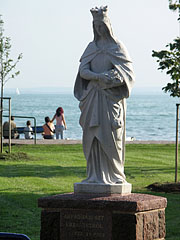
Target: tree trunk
1	115
177	136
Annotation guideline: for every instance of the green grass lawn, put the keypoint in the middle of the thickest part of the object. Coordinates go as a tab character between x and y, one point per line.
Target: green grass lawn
33	171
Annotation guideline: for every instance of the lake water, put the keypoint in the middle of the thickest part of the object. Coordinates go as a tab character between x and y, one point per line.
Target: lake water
149	116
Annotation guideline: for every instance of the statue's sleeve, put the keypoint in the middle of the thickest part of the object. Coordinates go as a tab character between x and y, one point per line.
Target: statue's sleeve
87	74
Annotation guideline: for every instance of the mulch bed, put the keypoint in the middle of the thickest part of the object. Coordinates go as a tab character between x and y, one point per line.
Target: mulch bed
165	187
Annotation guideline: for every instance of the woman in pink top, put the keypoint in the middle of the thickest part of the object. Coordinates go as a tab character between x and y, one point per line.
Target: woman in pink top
60	122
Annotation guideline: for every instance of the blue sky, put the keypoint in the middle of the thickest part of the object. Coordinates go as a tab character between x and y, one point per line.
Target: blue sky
52	35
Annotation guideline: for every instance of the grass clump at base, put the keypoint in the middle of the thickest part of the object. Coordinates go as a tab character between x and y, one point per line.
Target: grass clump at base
33	171
18	156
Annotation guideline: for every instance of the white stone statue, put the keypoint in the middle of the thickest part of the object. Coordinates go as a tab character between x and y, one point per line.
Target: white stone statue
103	83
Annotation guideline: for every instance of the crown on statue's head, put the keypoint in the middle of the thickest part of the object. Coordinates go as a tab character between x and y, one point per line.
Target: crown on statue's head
100	14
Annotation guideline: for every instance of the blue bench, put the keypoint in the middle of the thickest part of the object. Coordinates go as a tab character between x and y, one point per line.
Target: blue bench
39	129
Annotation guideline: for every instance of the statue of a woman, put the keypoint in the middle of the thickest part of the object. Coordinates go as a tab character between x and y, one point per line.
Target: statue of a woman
104	81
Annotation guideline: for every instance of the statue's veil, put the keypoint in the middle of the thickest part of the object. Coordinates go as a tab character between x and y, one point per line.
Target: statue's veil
100	14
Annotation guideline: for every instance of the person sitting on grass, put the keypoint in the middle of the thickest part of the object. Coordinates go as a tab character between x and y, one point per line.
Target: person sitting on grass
28	131
48	128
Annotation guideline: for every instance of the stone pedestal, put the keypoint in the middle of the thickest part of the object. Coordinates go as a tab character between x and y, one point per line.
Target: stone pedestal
102	217
95	188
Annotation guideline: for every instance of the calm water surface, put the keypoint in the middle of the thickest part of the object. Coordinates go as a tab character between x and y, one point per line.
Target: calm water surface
149	117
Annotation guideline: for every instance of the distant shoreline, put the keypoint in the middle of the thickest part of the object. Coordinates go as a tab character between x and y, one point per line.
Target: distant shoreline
69	90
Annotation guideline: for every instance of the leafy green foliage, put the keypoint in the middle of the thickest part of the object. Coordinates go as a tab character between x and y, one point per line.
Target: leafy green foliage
169	60
174	5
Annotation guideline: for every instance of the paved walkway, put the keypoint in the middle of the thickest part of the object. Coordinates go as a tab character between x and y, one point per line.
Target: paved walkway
54	141
42	141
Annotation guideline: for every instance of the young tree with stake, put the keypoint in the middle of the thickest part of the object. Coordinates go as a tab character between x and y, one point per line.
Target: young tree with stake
7	67
169	61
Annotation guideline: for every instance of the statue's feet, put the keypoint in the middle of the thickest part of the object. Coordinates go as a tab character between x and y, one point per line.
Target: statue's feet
121	181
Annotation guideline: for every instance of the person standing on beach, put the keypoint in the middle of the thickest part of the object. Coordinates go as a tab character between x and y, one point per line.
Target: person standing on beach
60	122
48	128
104	81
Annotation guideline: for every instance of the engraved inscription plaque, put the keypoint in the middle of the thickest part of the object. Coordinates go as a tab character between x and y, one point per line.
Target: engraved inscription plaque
85	224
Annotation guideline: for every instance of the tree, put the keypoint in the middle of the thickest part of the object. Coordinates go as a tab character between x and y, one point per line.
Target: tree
169	61
7	66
